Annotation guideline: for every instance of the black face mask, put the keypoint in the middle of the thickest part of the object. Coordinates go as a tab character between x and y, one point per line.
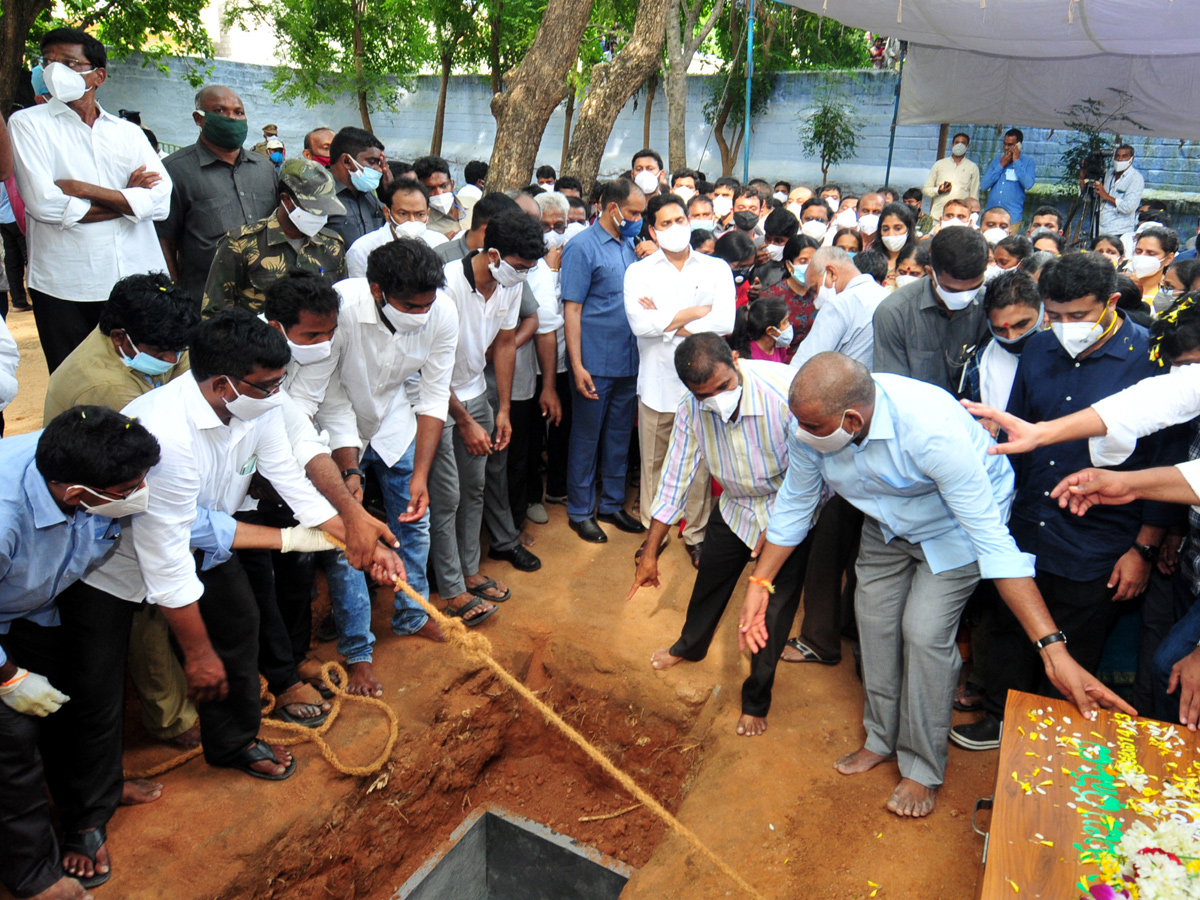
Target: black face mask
740	274
745	220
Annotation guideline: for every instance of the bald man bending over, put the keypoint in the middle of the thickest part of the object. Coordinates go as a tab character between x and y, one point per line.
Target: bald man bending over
917	465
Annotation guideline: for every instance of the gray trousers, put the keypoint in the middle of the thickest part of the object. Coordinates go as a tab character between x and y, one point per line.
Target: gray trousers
496	513
907	621
456	482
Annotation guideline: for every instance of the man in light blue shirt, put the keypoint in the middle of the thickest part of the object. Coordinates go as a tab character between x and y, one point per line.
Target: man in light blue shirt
917	465
1009	176
61	492
1120	194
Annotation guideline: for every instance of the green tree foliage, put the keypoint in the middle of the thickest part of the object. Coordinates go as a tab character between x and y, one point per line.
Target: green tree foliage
830	132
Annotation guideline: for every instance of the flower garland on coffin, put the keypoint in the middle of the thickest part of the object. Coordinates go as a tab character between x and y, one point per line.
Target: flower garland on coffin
1161	863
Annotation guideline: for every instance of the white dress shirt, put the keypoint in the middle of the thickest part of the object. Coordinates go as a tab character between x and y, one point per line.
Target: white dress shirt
542	281
356	256
68	259
703	281
1142	409
997	371
208	464
844	324
479	321
10	358
367	397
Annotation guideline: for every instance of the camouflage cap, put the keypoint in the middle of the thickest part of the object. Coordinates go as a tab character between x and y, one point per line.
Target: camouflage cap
312	186
270	129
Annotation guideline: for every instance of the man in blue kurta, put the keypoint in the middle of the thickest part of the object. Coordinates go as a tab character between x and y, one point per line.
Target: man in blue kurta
1009	176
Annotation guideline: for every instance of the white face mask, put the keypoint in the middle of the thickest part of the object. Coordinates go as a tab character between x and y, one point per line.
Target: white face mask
442	202
775	252
953	223
1143	266
403	323
868	224
306	223
956	300
974	220
722	206
847	218
780	196
647	181
1120	165
553	239
675	239
724	404
506	275
829	443
959	149
410	229
991	272
307	354
684	193
1140	228
575	228
894	241
794	209
1076	337
249	408
64	83
995	235
902	280
825	293
814	228
137	502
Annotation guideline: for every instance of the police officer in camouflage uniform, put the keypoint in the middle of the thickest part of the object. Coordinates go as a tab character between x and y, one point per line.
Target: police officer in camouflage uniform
293	237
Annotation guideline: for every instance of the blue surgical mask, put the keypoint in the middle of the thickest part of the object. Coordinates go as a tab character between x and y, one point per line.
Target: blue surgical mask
366	179
785	337
146	364
277	156
39	83
630	228
799	271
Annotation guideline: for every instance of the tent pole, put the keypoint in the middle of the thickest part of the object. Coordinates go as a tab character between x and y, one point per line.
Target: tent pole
887	178
749	79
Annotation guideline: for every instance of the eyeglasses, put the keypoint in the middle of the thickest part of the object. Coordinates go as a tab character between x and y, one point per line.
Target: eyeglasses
79	65
267	391
560	227
115	495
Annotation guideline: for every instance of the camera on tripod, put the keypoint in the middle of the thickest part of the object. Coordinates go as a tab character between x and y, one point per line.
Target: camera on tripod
1095	165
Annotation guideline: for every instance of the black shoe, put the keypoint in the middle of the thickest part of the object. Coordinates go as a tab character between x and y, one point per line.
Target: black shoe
589	531
982	735
520	558
22	307
624	521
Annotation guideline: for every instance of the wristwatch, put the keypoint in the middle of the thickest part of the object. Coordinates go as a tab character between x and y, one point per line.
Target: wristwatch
1049	639
346	473
1147	552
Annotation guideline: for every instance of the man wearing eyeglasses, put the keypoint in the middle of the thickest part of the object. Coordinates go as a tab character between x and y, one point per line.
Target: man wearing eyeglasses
93	188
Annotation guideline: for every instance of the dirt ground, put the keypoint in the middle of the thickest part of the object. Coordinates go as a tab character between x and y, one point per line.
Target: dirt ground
772	807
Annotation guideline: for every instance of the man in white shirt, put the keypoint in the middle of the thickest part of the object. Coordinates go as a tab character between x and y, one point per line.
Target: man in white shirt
93	188
952	177
669	295
1120	194
393	353
485	288
217	426
10	358
405	214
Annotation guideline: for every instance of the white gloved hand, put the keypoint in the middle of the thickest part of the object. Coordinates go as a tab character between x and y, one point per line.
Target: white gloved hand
30	693
304	540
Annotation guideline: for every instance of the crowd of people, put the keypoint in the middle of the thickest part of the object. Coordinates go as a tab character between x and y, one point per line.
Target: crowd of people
257	361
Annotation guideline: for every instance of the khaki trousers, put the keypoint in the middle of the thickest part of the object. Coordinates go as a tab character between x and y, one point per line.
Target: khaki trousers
654	434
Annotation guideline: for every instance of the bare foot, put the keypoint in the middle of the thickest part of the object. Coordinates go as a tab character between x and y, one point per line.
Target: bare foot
66	888
363	682
860	761
662	659
79	866
495	592
432	631
911	798
527	539
283	759
140	790
187	740
462	600
751	726
302	701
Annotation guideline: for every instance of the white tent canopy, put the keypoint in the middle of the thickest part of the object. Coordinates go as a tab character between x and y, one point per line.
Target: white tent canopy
1022	62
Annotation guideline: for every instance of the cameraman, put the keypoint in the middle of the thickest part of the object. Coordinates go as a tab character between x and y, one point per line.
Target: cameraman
1120	193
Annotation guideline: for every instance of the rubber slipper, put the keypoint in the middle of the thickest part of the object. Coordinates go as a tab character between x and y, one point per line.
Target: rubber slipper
308	722
459	612
968	700
480	591
260	752
87	843
810	655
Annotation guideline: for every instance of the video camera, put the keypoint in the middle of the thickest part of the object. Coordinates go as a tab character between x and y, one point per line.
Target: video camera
1095	165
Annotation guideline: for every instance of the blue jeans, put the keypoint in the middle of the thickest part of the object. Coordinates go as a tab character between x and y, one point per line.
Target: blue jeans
1179	642
351	600
600	428
408	617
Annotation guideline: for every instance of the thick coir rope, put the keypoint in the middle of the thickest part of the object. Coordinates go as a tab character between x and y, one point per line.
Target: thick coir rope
303	734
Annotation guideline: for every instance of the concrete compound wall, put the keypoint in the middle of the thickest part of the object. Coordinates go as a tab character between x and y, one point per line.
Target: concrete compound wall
165	101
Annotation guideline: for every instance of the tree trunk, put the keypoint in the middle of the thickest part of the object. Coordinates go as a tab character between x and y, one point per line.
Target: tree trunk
612	85
494	12
359	53
439	120
532	90
567	116
683	40
647	113
676	90
728	156
15	23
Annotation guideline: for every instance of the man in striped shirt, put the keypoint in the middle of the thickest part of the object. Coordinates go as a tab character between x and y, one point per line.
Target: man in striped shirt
734	421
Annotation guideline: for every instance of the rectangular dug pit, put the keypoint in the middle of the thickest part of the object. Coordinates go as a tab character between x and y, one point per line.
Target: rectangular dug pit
495	855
